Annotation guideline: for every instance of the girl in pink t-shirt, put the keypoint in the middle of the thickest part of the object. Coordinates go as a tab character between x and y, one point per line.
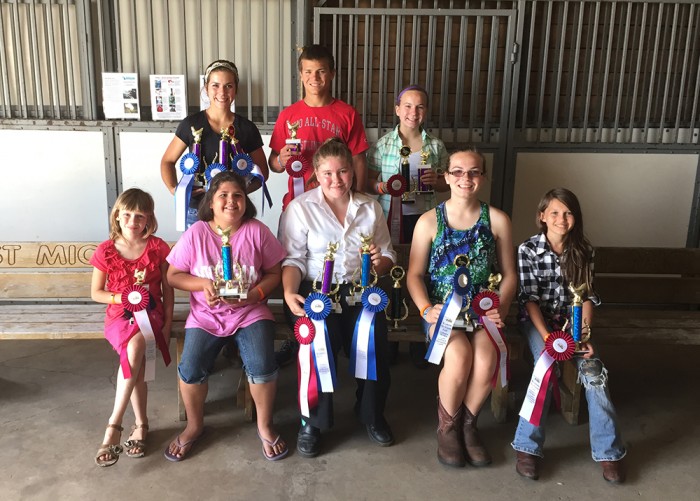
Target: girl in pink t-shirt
131	250
214	321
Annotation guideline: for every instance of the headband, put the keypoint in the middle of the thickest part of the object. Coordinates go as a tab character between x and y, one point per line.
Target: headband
220	64
410	87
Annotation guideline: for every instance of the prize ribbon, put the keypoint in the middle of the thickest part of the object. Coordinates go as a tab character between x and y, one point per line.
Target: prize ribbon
396	186
297	167
257	174
304	332
317	307
448	315
558	347
213	170
483	302
363	356
189	164
242	164
135	298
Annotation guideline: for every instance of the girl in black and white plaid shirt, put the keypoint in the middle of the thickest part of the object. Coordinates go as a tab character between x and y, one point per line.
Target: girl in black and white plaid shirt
547	263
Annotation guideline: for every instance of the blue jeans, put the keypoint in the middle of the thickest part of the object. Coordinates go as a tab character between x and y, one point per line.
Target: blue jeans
606	443
255	344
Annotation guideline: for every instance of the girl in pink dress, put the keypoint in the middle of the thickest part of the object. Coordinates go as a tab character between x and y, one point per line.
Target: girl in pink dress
131	250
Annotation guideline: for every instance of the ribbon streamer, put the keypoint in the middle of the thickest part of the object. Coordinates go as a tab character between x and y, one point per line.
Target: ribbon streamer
483	302
558	347
304	332
317	307
135	299
256	173
448	315
363	355
189	164
297	167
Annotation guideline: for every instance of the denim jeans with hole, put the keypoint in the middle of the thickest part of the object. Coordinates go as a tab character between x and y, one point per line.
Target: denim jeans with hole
606	443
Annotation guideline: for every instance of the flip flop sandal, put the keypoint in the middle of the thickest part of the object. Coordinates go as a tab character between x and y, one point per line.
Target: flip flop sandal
136	444
274	457
112	450
173	457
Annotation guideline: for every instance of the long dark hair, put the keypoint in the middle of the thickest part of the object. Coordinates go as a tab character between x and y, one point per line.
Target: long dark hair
578	251
206	213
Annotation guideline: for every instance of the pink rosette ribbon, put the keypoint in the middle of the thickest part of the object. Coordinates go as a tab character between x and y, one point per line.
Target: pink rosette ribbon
135	298
559	346
483	302
305	332
297	166
396	186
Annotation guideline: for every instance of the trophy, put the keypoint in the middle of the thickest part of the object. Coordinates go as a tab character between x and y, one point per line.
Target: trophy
463	320
140	276
293	140
577	315
326	277
422	169
230	279
366	272
409	196
395	312
197	152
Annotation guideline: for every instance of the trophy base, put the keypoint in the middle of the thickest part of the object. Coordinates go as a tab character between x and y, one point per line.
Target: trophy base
462	324
396	329
233	293
425	192
354	299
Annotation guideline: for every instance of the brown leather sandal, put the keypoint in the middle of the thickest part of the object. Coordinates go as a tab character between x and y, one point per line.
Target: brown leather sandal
112	450
140	445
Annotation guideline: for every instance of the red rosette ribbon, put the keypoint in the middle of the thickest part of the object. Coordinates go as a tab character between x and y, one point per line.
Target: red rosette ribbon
560	346
135	298
396	185
304	331
485	301
297	166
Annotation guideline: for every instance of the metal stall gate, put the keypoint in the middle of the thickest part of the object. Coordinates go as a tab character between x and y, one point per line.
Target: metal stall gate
464	58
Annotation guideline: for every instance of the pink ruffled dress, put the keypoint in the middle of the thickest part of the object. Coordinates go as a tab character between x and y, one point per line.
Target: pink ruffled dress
119	328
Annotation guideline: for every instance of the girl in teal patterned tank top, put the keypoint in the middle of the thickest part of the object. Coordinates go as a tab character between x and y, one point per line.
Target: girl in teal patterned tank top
462	225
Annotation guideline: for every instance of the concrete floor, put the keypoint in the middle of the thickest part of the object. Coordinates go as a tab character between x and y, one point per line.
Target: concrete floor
55	397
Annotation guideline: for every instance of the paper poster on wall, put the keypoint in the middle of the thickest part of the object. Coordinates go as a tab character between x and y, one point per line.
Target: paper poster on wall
168	97
120	95
204	99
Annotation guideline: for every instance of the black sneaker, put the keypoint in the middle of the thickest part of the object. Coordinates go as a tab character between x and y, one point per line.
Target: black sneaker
287	352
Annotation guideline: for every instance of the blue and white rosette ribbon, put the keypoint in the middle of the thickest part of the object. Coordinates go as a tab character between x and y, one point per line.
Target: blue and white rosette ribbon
317	307
213	169
183	191
450	311
363	354
242	164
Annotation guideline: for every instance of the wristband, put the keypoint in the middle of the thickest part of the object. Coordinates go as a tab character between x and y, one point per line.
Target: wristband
111	299
425	309
260	291
279	161
379	187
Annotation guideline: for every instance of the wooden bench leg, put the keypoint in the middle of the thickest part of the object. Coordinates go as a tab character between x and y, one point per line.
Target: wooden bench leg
570	391
182	415
499	401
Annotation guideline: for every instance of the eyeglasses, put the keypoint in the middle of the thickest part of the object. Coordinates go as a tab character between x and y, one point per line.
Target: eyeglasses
471	174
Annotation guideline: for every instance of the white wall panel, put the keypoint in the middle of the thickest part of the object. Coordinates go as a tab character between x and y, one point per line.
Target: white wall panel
629	200
52	186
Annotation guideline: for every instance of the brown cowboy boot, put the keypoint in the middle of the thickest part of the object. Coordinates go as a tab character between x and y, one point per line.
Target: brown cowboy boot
477	455
450	446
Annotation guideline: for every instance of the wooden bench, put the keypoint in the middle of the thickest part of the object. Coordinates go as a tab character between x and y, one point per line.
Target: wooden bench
649	296
45	294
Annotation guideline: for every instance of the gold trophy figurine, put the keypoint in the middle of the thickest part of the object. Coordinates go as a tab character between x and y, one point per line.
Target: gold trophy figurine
494	280
140	276
394	312
293	140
